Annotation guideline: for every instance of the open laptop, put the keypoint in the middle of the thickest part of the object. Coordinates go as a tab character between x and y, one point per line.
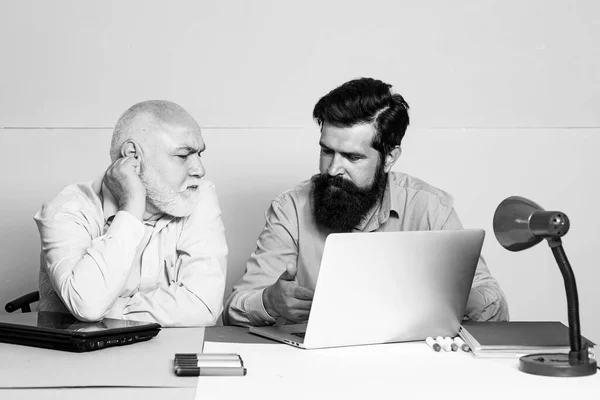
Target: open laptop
385	287
63	332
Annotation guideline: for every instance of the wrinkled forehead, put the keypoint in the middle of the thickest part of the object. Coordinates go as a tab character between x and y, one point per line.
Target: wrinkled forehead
176	135
170	135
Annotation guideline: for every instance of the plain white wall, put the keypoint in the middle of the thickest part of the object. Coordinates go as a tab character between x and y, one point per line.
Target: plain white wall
504	100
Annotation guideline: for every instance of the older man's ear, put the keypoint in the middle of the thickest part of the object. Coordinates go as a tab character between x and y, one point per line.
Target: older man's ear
129	149
132	149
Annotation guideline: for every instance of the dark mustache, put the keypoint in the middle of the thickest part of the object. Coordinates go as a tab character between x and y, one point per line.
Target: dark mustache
338	182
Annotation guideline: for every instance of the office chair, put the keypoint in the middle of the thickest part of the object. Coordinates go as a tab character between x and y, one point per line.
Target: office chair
23	302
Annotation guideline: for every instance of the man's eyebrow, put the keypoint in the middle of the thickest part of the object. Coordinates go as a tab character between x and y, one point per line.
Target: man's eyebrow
345	154
355	153
190	149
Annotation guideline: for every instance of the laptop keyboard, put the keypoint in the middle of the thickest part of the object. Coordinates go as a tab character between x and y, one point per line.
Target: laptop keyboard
299	334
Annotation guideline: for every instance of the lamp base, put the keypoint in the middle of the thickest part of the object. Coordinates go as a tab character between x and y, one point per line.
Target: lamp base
556	364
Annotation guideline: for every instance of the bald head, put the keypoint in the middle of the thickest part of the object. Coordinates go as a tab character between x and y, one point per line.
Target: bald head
144	120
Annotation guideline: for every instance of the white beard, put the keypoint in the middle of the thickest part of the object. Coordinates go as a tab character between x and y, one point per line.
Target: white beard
165	199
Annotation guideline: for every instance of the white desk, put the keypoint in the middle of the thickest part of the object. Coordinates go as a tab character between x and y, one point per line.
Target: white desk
394	371
277	371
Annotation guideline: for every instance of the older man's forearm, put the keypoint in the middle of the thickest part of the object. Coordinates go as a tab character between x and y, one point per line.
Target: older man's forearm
175	307
89	275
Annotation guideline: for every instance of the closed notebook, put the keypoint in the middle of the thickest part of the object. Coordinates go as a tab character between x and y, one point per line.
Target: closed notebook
510	339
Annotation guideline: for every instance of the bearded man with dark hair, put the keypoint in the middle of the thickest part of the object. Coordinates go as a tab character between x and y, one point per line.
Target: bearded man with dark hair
362	125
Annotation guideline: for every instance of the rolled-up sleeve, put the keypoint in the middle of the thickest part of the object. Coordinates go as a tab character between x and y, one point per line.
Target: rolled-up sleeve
194	294
87	271
275	248
486	294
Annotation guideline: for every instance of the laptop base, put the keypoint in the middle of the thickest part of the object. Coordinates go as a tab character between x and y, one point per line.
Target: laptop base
288	334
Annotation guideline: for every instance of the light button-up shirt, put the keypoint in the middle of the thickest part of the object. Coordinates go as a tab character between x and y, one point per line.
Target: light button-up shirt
99	262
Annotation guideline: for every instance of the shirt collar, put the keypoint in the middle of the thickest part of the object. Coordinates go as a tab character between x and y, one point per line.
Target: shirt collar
393	191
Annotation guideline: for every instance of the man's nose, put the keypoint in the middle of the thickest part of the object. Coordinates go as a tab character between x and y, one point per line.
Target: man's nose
197	169
336	166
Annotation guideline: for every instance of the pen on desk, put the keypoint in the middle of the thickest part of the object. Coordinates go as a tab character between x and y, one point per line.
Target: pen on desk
453	346
460	343
206	356
443	344
431	342
210	362
210	371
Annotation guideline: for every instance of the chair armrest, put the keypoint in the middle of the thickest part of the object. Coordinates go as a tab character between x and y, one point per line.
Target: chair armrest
23	302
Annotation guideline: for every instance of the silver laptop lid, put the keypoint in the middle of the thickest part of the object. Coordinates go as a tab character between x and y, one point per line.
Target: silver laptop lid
392	286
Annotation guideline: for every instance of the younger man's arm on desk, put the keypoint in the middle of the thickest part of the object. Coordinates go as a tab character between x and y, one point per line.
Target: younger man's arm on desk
276	247
194	296
486	300
88	269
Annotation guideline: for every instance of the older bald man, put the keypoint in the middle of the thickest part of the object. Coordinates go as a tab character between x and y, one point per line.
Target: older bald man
146	240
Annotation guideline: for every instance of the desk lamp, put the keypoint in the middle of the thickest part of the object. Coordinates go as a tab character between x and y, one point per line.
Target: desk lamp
519	224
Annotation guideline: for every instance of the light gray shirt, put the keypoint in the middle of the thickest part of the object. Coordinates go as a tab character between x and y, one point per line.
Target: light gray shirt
291	234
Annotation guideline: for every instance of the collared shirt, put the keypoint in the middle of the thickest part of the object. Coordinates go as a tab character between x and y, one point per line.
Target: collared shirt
99	262
291	235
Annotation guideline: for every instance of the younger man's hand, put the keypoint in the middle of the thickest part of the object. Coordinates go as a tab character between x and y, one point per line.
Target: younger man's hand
285	298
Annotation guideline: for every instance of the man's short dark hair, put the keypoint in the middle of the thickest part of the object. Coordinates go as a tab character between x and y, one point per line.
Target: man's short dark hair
366	100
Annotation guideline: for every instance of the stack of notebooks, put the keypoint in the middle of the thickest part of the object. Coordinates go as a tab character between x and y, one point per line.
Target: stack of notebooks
515	339
208	364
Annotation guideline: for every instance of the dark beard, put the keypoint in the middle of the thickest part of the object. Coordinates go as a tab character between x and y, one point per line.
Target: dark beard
340	205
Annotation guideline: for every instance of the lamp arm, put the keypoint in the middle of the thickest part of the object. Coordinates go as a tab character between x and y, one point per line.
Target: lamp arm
572	298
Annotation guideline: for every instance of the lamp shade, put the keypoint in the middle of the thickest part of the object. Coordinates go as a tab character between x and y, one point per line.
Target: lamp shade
520	223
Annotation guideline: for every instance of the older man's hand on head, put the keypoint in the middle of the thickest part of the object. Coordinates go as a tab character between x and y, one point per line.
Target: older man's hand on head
123	180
